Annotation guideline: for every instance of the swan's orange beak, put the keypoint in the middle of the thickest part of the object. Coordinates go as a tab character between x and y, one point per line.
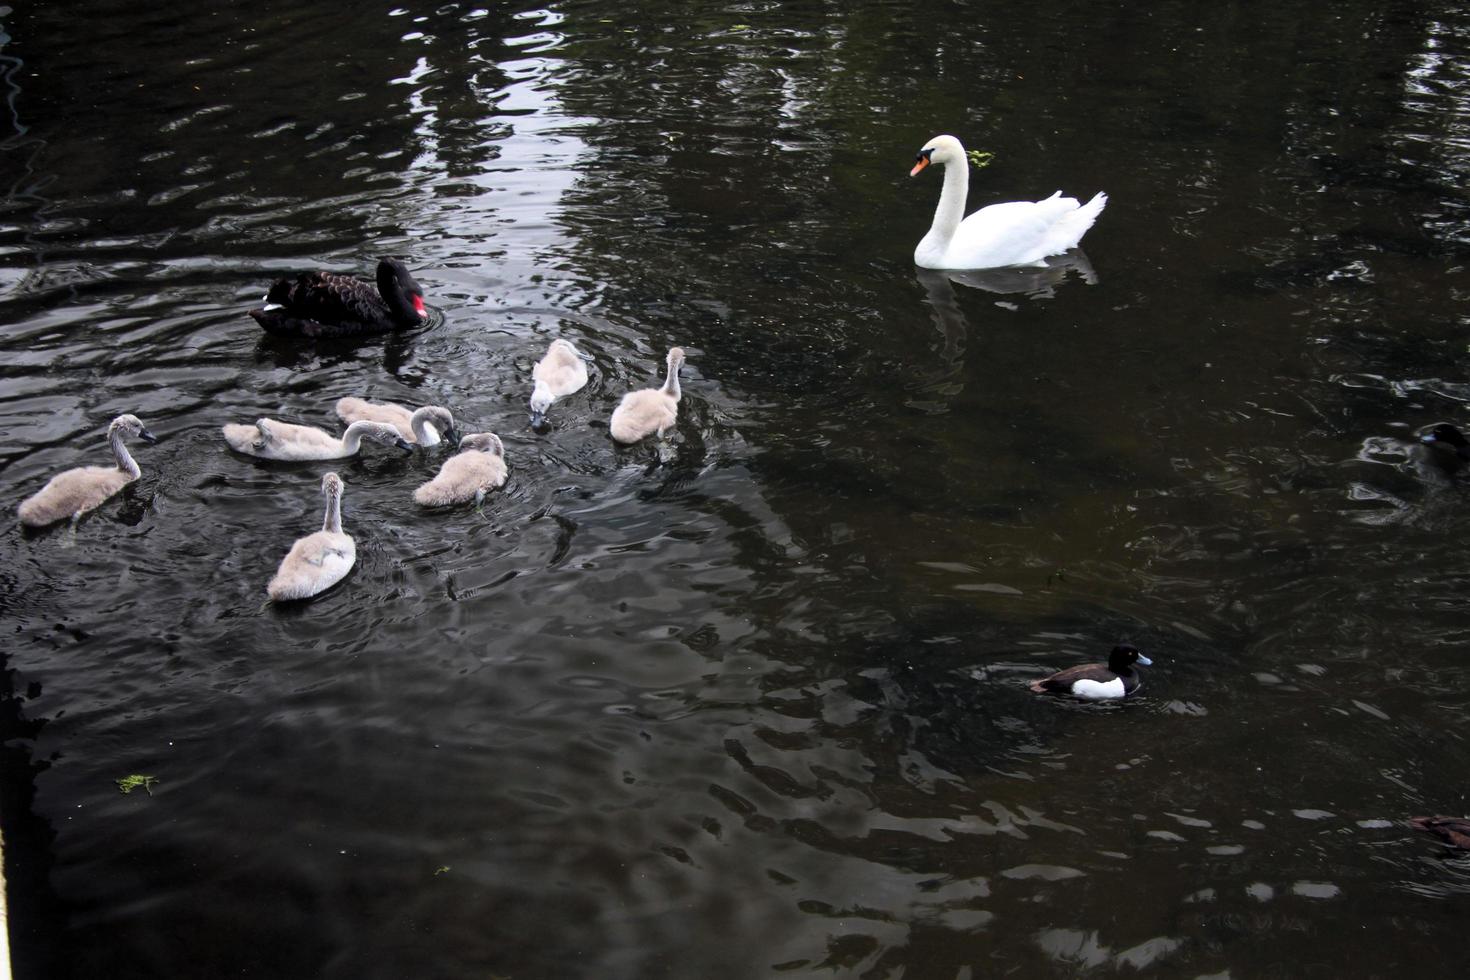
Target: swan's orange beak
920	163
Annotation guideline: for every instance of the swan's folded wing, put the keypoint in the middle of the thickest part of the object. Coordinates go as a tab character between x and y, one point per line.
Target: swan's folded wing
1016	232
286	437
331	298
352	409
314	563
336	562
1068	230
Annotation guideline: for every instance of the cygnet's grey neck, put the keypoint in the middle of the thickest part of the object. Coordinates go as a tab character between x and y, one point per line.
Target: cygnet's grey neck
420	420
671	386
125	461
333	519
352	438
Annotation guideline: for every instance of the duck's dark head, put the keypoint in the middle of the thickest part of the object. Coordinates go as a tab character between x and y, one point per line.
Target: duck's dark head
1447	439
1124	656
402	292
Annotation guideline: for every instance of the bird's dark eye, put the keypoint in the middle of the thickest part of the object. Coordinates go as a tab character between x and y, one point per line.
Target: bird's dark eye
924	155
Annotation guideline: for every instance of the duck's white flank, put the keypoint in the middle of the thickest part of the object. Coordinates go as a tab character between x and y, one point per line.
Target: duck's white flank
318	561
1099	690
649	410
71	493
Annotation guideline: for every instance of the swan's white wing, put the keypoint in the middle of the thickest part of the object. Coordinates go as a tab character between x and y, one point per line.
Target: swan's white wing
315	563
335	558
1013	233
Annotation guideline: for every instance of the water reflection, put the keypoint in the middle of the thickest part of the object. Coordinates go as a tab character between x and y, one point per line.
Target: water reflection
941	386
398	348
1035	283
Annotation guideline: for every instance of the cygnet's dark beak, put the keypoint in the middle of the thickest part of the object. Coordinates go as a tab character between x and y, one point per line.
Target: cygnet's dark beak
147	436
585	357
453	437
1145	661
404	444
538	419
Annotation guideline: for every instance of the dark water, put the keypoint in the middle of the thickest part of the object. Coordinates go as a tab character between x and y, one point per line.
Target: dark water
758	708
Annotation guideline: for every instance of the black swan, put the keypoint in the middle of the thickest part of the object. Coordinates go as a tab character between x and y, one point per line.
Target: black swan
323	304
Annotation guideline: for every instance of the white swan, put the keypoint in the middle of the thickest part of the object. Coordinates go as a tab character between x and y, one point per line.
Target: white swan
1015	233
469	474
270	439
649	409
560	373
423	426
71	493
318	561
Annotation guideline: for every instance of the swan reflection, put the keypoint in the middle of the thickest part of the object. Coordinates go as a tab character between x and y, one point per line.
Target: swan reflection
1038	282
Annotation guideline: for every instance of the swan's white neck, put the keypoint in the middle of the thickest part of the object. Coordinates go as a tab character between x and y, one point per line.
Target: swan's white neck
125	461
541	397
352	438
951	209
671	386
333	519
426	434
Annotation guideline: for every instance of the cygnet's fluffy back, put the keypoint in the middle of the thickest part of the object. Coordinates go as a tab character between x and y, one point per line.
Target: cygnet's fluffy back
474	471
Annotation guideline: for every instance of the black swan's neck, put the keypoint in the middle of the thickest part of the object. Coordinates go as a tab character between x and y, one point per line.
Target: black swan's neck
397	294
